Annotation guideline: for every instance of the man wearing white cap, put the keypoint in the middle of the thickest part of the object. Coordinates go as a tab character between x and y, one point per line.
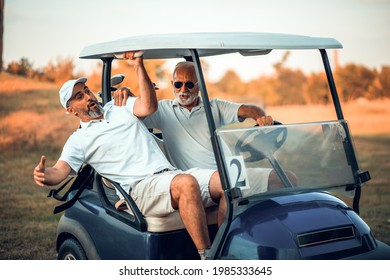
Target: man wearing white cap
116	143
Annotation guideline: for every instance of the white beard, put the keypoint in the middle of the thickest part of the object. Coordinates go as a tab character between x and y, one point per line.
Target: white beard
188	98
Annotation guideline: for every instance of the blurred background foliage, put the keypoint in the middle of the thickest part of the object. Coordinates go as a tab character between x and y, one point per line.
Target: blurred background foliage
285	87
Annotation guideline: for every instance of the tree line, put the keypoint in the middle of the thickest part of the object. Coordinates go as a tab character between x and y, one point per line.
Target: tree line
286	86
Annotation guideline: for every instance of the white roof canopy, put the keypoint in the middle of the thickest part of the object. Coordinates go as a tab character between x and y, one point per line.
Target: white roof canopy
165	46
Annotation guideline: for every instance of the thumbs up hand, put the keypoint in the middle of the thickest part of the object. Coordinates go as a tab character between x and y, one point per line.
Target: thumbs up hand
39	172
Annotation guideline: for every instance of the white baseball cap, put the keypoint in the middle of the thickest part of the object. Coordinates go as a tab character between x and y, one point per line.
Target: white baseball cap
67	90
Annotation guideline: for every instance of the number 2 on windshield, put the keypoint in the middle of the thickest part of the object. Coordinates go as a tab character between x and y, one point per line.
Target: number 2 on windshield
237	172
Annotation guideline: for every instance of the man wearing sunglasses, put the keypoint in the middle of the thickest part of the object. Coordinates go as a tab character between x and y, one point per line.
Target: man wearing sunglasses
184	125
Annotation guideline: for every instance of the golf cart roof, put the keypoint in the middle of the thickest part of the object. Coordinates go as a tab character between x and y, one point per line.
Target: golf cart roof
164	46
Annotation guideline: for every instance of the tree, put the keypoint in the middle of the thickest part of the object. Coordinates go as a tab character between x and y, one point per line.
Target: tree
289	83
316	89
231	83
380	88
1	33
289	86
280	64
60	71
263	88
354	81
21	68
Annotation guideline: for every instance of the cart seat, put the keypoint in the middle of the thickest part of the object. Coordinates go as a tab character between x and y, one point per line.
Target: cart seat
173	220
166	223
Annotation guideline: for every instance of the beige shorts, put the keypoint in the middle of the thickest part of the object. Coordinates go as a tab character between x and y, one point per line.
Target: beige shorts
153	197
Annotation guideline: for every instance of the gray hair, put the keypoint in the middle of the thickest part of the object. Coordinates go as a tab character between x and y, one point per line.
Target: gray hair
183	64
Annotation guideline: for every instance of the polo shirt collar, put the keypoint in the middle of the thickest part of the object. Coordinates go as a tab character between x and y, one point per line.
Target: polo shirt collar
85	125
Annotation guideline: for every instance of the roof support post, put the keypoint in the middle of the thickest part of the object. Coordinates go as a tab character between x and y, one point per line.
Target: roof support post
106	80
332	85
220	238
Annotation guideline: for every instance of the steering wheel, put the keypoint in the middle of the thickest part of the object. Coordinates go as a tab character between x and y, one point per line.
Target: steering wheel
270	141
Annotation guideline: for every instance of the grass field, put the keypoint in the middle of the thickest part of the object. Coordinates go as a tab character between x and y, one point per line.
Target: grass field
33	123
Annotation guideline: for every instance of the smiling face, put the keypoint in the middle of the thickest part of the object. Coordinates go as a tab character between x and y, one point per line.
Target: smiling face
185	85
84	104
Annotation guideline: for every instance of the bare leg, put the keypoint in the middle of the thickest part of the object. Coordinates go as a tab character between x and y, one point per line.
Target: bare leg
274	181
218	196
186	198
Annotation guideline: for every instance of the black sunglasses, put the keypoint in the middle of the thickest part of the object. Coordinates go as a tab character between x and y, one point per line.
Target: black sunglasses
189	85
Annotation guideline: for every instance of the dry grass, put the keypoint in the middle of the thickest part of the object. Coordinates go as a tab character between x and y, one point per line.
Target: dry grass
364	117
33	129
31	114
32	122
10	84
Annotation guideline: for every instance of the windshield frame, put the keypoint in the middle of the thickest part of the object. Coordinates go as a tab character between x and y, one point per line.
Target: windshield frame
317	156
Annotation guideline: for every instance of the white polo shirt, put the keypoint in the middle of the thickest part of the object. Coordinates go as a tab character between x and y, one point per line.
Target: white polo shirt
118	147
186	133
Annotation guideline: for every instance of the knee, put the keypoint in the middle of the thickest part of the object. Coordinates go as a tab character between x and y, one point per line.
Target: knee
292	177
215	187
275	182
184	183
185	188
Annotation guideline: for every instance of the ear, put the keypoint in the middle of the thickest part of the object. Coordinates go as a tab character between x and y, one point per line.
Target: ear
71	111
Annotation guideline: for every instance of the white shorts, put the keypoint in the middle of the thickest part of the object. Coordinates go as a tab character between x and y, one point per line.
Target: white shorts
153	196
258	181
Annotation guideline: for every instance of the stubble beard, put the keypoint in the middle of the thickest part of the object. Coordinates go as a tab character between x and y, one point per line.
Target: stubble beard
96	112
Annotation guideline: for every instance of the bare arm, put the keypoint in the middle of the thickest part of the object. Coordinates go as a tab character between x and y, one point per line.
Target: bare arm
51	176
256	113
146	103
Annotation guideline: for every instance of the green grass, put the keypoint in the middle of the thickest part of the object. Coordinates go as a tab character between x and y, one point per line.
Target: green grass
28	227
38	100
374	154
27	224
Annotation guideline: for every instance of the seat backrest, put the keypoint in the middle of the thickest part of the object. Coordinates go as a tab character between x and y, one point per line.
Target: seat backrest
160	143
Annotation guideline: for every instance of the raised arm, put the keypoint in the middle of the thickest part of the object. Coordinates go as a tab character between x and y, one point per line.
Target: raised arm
256	113
146	103
51	176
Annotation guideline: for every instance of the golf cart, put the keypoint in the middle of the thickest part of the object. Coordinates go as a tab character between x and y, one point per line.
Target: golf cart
306	219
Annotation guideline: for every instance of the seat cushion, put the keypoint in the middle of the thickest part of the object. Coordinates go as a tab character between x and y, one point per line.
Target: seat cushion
173	221
169	222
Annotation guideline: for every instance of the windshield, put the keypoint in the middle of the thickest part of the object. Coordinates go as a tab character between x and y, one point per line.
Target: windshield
308	156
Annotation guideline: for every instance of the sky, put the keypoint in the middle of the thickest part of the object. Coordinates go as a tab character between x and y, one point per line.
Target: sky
44	30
